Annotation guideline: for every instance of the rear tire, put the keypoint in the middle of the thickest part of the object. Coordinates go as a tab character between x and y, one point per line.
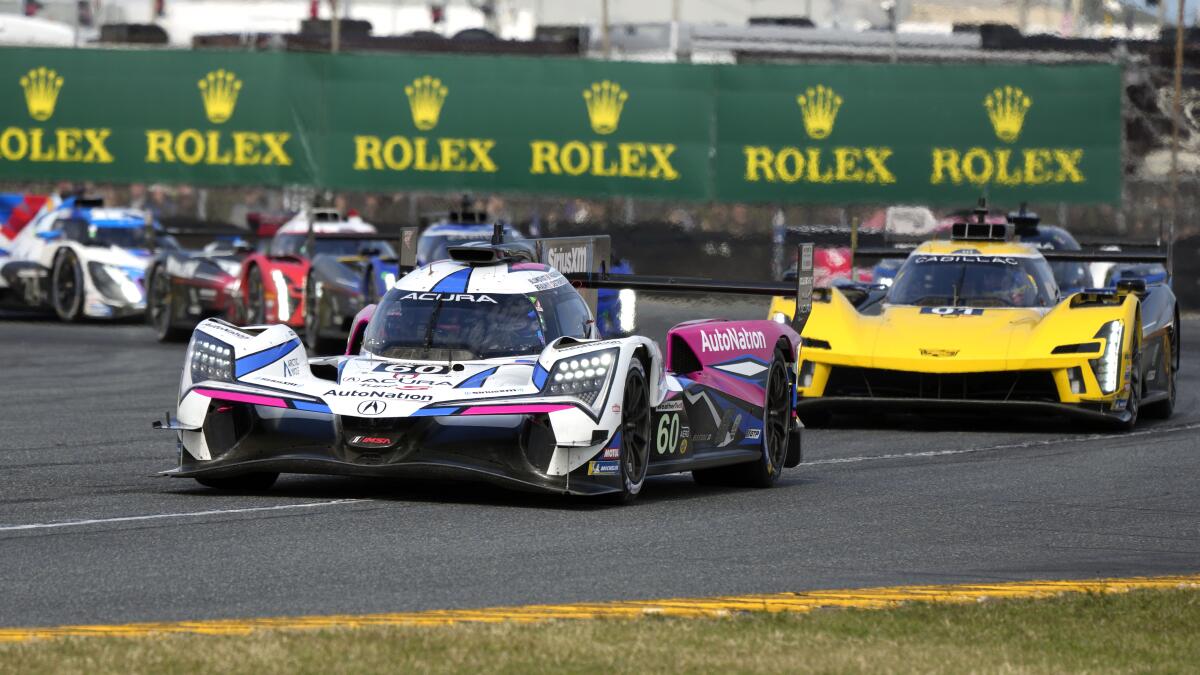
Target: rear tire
777	420
635	434
160	308
66	287
247	482
314	318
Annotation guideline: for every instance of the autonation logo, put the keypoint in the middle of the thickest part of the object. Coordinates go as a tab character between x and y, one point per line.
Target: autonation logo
732	338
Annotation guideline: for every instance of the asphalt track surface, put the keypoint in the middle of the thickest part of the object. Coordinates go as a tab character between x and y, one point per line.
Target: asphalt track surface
88	533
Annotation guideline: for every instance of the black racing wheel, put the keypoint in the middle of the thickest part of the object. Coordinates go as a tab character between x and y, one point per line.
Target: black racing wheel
316	314
160	307
635	433
256	297
67	285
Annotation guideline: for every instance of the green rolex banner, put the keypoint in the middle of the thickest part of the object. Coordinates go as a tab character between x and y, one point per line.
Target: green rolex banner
836	133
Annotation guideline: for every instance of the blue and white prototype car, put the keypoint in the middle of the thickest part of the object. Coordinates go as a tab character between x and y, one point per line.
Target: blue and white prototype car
489	366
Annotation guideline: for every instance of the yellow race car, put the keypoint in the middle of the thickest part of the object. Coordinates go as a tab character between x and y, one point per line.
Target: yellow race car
977	323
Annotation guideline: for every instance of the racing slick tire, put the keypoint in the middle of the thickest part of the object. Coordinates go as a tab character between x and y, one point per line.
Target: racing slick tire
777	418
314	318
256	297
66	286
1161	410
160	308
1133	405
247	482
635	434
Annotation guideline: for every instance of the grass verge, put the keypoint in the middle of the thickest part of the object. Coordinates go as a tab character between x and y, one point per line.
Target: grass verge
1141	631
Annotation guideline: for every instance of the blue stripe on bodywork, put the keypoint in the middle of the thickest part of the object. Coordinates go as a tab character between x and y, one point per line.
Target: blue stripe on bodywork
311	407
341	367
259	360
539	375
432	412
476	380
455	282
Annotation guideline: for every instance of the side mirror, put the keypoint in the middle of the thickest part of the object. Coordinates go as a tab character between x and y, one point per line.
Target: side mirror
50	235
359	329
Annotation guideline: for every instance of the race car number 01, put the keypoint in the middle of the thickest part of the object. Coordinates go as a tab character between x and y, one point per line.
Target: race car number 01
667	435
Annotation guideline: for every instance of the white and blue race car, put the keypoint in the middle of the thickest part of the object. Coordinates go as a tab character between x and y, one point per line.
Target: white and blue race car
489	366
80	260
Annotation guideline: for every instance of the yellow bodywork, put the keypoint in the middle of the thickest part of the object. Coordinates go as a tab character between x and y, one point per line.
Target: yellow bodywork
902	338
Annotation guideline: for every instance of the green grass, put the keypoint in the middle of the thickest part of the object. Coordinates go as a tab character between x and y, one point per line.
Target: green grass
1145	631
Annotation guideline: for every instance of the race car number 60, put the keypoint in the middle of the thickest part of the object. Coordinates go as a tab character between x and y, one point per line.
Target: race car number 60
667	436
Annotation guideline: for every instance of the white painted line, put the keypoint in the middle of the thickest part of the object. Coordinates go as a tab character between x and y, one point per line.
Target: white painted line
161	516
1006	446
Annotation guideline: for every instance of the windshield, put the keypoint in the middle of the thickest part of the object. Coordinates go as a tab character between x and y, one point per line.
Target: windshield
131	237
956	280
462	326
294	244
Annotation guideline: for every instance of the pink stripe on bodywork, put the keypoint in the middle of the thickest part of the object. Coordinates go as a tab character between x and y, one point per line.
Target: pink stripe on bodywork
242	398
515	409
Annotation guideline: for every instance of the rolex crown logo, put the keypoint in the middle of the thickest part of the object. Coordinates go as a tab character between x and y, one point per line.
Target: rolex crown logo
604	103
425	97
41	87
819	107
1006	108
219	90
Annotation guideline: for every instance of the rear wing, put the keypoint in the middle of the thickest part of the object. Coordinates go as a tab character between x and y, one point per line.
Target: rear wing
1094	256
802	290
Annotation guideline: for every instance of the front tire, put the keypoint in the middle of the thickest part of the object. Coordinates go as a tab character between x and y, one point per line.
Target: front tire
635	434
247	482
67	286
1162	410
256	297
1133	405
160	308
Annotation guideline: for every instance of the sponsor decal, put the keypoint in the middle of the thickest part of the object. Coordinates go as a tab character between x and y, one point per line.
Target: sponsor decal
399	395
938	353
291	367
219	91
686	432
413	368
491	392
670	406
683	446
702	438
426	96
819	108
732	338
451	297
616	407
590	345
394	383
371	408
603	468
221	328
568	260
74	145
952	311
1006	108
548	281
611	453
371	440
753	433
604	102
995	259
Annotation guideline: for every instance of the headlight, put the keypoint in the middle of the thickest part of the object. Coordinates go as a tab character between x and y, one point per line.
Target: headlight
281	292
211	359
627	316
583	376
114	283
1108	366
779	317
389	281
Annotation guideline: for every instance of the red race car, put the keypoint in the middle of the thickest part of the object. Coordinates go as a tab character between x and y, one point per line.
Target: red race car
270	288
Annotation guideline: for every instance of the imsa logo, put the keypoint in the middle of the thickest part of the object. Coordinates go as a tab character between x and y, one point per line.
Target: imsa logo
604	102
41	87
219	91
